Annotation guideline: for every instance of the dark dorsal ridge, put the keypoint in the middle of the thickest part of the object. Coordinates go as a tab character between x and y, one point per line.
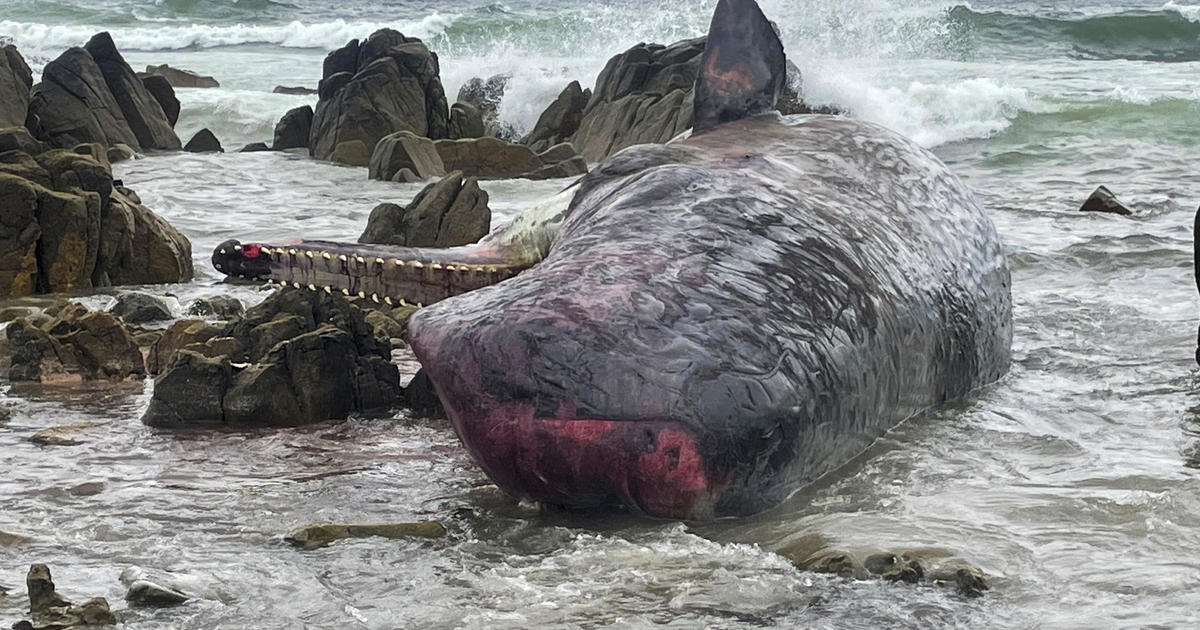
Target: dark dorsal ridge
742	69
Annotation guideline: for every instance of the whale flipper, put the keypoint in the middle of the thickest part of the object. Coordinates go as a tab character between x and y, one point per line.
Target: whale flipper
743	68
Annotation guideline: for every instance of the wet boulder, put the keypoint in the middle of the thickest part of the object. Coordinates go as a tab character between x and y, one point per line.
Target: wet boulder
189	334
297	358
293	91
405	150
150	594
141	110
492	158
77	343
204	142
254	147
1103	200
293	129
319	535
181	78
119	153
16	80
485	96
140	308
465	121
139	247
221	307
161	90
19	139
453	211
387	84
560	120
51	610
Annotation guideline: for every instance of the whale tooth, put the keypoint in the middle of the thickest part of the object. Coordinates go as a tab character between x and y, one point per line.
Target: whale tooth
402	302
342	258
308	253
222	251
266	250
387	300
378	261
419	305
311	287
292	252
491	269
398	262
359	259
295	285
416	264
375	298
328	290
435	266
326	255
362	295
237	248
345	291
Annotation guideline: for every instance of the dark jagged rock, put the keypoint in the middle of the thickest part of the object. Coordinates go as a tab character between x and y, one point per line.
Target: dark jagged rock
421	397
92	345
560	120
219	306
140	308
19	139
485	97
182	78
387	84
164	94
465	121
73	104
67	227
16	80
293	129
405	150
644	95
140	109
190	334
52	611
447	213
204	142
294	91
1103	200
254	147
308	357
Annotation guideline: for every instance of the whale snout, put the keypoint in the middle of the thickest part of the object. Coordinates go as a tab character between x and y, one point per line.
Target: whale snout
654	467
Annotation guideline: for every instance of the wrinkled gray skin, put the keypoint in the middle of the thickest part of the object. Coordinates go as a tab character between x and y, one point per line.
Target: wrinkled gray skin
723	320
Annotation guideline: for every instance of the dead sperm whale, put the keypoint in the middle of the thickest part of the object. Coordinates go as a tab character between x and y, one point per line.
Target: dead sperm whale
704	327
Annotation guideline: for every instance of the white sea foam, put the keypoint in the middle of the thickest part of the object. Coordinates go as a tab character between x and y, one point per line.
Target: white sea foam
1190	12
53	38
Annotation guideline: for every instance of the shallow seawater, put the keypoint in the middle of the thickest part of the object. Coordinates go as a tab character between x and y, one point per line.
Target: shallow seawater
1074	482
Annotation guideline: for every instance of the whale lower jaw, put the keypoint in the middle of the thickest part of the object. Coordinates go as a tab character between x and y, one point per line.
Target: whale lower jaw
652	467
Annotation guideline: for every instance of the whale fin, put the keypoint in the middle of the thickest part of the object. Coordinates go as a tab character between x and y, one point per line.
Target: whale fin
743	68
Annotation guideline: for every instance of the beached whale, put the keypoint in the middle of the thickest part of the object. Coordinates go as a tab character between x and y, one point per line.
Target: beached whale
701	328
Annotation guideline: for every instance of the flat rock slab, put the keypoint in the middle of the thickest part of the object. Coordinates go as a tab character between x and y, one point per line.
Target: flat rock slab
62	435
318	535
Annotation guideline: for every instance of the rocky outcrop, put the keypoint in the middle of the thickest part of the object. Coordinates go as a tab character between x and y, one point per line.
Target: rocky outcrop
485	97
182	78
15	82
448	213
67	227
161	90
1103	200
386	84
90	95
402	151
492	158
194	335
204	142
560	120
19	139
300	357
465	122
76	344
140	308
293	129
51	610
644	95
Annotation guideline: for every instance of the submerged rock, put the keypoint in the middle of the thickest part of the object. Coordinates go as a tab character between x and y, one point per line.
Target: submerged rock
204	142
453	211
62	435
935	566
182	78
386	84
140	308
320	535
297	358
1103	200
254	147
13	540
221	307
293	129
146	593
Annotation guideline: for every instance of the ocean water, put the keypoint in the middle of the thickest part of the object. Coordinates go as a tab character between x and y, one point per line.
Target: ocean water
1074	482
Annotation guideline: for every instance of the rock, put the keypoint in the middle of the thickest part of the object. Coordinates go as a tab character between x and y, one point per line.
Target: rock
405	150
421	397
42	594
569	168
351	153
203	142
560	120
387	84
319	535
453	211
405	176
937	566
52	611
300	357
140	308
644	95
145	593
484	97
141	110
185	333
64	118
119	153
385	327
465	121
77	342
86	489
62	435
254	147
13	540
296	91
161	90
560	152
139	247
293	129
15	82
182	78
19	139
487	158
1103	200
221	307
